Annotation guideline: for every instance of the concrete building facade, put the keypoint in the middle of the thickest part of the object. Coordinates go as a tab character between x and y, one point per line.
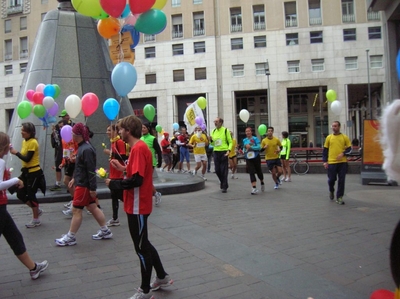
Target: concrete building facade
274	58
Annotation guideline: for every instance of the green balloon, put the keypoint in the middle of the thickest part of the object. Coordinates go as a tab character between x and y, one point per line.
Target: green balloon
152	21
331	95
24	109
39	111
58	90
262	129
202	102
158	128
149	112
90	8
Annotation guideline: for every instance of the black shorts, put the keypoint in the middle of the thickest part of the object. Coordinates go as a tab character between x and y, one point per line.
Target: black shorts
283	157
69	169
272	163
232	157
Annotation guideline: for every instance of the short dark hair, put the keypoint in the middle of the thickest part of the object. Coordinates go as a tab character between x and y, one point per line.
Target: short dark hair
132	124
272	128
338	122
285	134
29	128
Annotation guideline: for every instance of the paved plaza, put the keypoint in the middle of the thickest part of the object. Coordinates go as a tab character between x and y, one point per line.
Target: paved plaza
287	243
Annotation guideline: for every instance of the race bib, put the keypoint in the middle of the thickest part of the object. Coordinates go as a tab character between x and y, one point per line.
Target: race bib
201	144
218	142
65	153
251	155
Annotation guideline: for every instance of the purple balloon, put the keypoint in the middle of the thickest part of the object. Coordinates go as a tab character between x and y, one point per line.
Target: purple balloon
199	120
66	133
53	110
203	127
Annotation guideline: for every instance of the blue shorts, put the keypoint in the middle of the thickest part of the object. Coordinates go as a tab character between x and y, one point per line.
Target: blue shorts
272	163
184	154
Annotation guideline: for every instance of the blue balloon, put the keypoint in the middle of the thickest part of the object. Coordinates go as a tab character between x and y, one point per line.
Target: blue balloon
123	78
126	12
175	126
398	65
111	108
134	33
49	90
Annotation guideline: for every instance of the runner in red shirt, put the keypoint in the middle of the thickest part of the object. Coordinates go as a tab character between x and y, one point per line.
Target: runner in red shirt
138	204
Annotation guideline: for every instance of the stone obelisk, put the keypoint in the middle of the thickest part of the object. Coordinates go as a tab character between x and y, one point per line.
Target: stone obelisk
67	51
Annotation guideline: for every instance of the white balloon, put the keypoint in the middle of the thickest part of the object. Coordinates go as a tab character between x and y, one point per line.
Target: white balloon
73	105
244	115
48	102
336	107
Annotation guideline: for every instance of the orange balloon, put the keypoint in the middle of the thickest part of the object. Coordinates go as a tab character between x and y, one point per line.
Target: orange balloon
108	27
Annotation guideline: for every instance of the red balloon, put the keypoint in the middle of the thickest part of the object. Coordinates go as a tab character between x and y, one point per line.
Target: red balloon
140	6
382	294
113	7
37	98
90	102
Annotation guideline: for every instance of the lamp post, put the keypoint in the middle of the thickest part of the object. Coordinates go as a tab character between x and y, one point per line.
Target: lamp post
369	87
267	73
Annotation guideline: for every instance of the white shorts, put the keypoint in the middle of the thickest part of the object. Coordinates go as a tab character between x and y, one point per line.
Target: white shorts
201	157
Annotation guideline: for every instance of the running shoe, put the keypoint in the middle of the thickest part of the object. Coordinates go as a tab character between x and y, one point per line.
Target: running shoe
161	283
113	222
254	191
102	235
40	267
33	224
66	240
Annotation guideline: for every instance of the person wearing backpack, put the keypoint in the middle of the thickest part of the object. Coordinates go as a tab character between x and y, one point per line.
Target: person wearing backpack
221	140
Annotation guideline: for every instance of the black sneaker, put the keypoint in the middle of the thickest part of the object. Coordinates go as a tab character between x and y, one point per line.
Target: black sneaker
331	196
55	188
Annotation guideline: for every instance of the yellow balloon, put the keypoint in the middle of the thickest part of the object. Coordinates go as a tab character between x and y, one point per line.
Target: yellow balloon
90	8
202	102
159	4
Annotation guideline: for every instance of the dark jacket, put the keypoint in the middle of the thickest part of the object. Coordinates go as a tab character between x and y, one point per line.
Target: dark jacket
85	166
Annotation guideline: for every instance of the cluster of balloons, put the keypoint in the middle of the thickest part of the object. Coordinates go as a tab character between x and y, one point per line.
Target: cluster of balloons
202	103
336	106
41	103
88	104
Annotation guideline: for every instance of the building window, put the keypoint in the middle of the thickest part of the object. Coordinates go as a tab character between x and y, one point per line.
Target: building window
318	65
373	15
9	92
236	43
45	1
349	34
15	3
238	70
150	52
293	66
314	12
7	26
179	75
197	1
351	63
260	69
236	19
43	15
376	61
200	73
374	33
199	47
292	39
22	67
348	15
290	14
8	49
23	23
260	41
8	69
149	37
151	78
23	45
177	49
258	17
176	3
316	37
198	24
177	26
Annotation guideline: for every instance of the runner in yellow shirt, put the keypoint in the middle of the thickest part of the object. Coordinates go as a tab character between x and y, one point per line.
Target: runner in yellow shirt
272	146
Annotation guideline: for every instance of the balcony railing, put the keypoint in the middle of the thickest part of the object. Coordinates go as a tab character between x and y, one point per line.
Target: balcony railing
236	28
177	34
315	21
373	16
149	37
197	32
23	54
259	26
14	9
8	57
291	23
349	18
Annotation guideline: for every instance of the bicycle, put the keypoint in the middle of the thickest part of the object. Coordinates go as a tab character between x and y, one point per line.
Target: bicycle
299	166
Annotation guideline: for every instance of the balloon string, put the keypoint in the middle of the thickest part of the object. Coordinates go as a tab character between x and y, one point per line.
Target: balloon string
121	52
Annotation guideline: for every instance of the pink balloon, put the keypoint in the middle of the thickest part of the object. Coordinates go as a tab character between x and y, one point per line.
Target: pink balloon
139	6
113	7
53	111
40	87
131	20
90	102
66	133
29	94
37	98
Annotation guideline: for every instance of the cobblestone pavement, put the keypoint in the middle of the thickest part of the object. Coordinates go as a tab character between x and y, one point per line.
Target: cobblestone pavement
287	243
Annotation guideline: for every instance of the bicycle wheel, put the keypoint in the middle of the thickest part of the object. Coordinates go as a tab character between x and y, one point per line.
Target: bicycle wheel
301	167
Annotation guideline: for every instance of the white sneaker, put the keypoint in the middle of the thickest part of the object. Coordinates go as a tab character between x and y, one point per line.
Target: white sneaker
67	212
68	205
288	180
113	222
157	198
254	191
102	235
203	177
161	283
232	176
161	169
262	188
193	172
66	240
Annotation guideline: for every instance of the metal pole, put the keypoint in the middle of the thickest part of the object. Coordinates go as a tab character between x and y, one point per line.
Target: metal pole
269	104
369	87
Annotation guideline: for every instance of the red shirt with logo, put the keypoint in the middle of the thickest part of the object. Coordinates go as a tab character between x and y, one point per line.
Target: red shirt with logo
118	150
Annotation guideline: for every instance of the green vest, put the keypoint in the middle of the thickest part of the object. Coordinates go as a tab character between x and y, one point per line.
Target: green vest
149	140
